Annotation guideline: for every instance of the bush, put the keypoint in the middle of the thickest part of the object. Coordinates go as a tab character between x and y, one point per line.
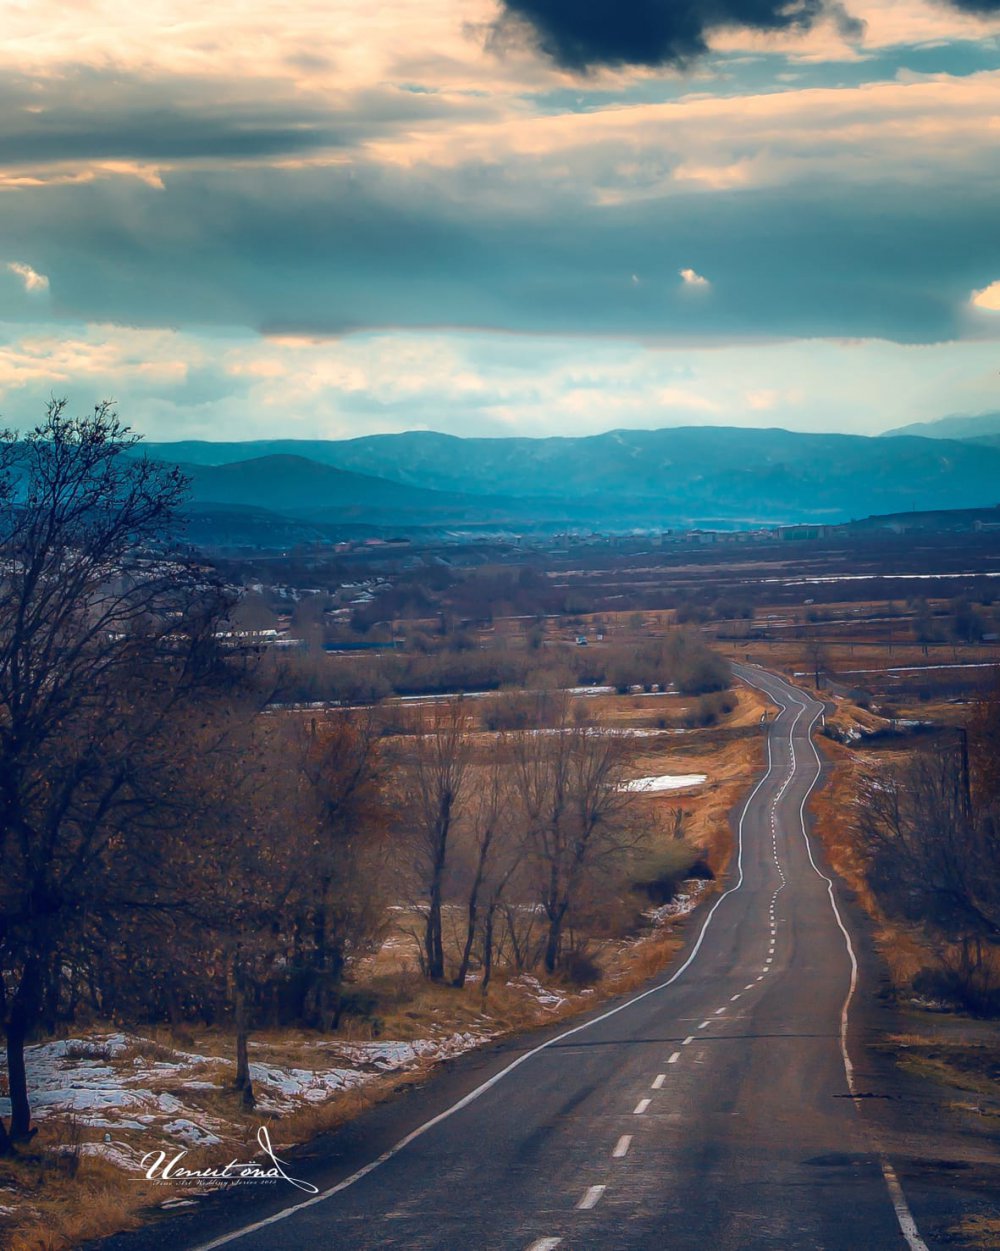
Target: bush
708	709
661	875
581	969
969	990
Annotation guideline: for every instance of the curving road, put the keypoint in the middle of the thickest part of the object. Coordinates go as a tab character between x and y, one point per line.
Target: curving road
712	1111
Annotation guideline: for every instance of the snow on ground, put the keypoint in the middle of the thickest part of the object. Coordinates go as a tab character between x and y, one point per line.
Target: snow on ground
109	1082
120	1154
665	782
190	1133
545	996
682	903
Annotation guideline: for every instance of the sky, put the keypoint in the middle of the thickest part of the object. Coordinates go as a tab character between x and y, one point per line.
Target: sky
247	220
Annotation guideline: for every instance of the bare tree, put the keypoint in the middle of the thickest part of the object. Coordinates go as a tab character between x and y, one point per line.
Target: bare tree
933	857
105	643
434	771
342	856
575	806
491	834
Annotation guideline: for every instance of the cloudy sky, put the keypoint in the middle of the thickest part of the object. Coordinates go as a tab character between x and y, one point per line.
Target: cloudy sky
541	216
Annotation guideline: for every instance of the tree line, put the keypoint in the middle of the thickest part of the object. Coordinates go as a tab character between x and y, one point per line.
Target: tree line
929	828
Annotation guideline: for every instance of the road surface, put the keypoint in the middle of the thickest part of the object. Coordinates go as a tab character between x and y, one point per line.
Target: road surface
713	1111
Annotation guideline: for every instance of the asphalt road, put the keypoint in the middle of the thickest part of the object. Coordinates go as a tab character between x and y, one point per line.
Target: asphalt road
713	1111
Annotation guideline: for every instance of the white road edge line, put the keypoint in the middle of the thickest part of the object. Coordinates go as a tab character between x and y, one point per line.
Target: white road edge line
490	1082
591	1199
545	1244
622	1146
907	1225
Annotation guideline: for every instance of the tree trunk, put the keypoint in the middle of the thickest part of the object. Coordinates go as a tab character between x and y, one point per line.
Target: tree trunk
243	1082
20	1107
553	942
6	1148
470	932
433	945
520	955
434	942
23	1012
488	947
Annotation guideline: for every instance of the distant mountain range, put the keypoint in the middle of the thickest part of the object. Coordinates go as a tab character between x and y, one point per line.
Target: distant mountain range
712	476
982	426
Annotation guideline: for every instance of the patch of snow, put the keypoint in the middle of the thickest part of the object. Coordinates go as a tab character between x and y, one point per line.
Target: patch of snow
544	996
312	1085
681	904
187	1131
665	782
119	1154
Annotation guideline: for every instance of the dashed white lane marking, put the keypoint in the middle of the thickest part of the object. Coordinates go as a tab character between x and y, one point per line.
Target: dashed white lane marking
907	1225
591	1199
641	1107
688	1041
761	977
658	1080
748	986
622	1146
769	959
733	998
545	1244
704	1024
719	1011
674	1058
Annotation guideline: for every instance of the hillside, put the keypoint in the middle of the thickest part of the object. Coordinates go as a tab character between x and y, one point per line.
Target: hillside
696	472
984	425
296	485
680	476
302	500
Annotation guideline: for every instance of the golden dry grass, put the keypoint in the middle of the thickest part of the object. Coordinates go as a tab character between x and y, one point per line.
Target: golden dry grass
981	1232
905	948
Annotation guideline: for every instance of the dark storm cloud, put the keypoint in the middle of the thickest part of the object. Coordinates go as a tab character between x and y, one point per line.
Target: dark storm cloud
86	115
322	251
583	34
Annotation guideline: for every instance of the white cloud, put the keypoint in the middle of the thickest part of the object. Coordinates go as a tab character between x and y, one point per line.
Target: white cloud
691	278
988	297
32	279
173	384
